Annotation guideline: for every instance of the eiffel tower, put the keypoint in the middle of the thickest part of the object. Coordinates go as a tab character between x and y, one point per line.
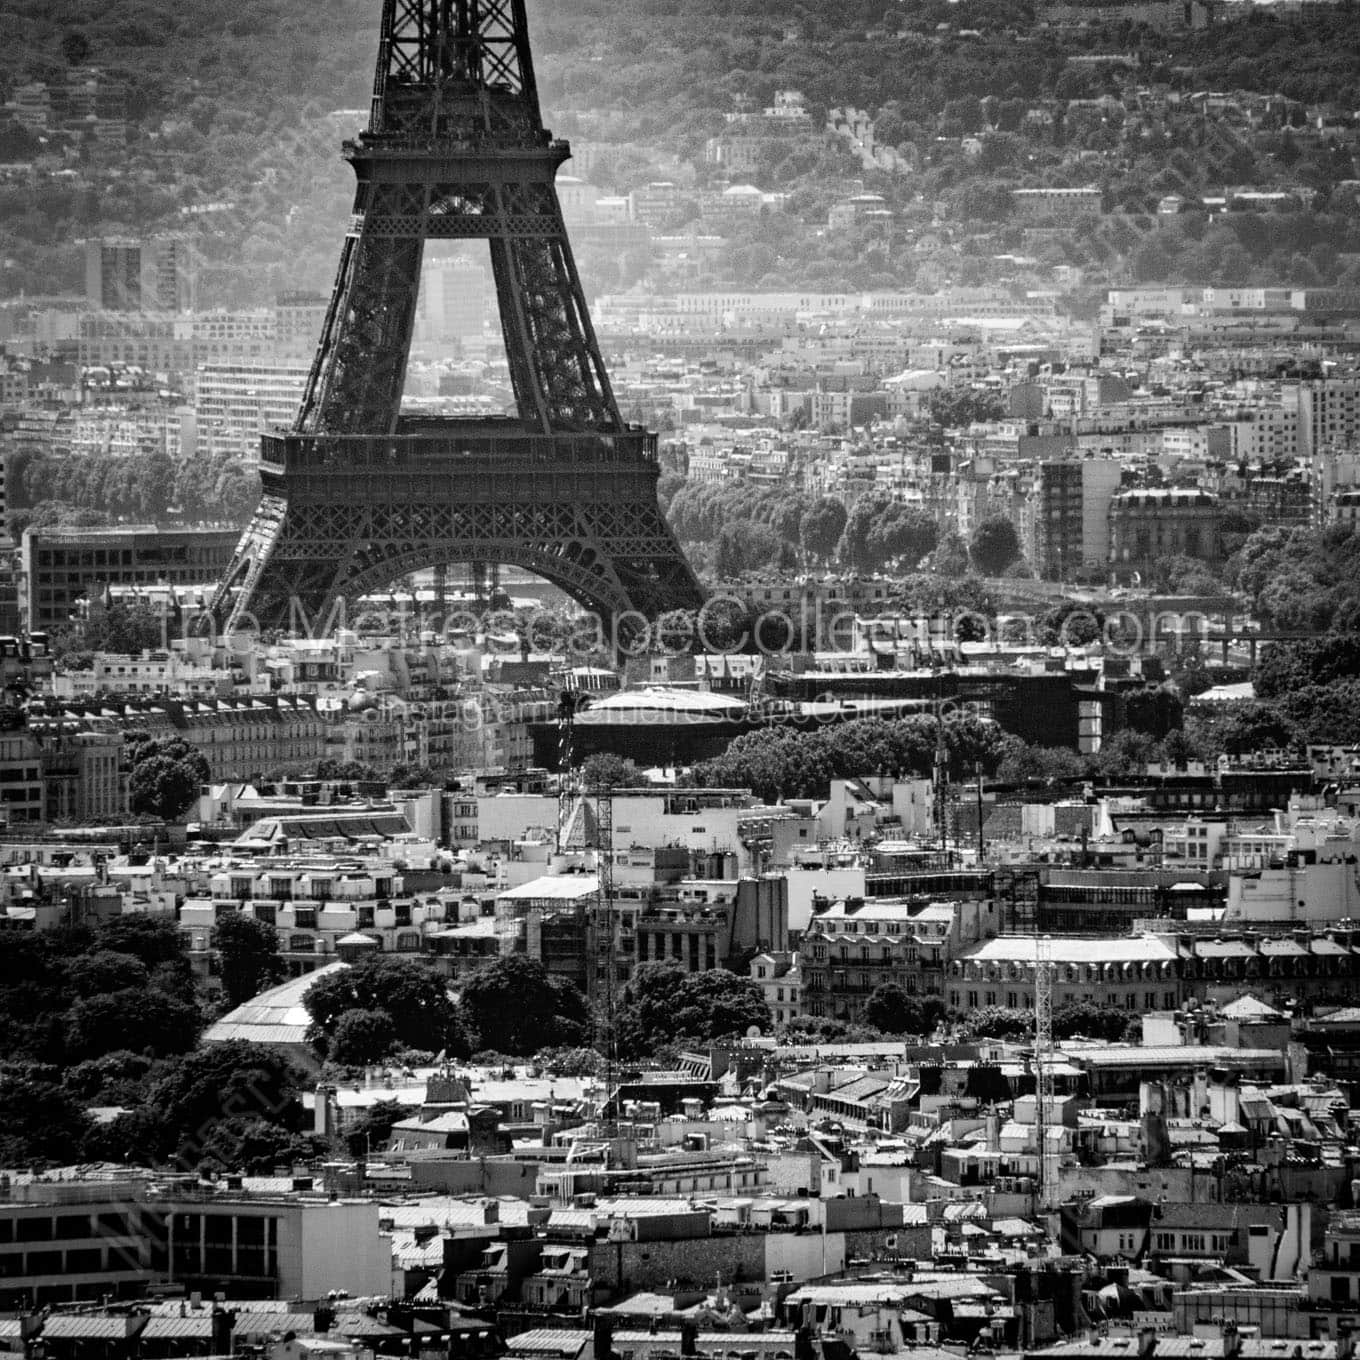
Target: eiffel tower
356	495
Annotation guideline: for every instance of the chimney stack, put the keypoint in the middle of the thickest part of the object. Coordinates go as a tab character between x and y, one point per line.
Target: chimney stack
1232	1340
604	1336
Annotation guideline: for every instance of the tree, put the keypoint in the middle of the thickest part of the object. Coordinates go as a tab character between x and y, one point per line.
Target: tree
894	1010
362	1036
141	1021
374	1127
994	545
607	771
999	1022
40	1121
957	407
127	629
75	47
1252	727
197	1094
152	939
824	1029
743	546
950	558
255	1146
854	546
411	992
248	956
162	787
117	1078
901	532
514	1005
663	1004
1023	763
1069	624
1090	1021
569	1062
777	762
108	971
1125	755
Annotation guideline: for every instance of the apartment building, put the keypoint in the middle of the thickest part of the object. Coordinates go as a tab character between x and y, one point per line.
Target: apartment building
234	403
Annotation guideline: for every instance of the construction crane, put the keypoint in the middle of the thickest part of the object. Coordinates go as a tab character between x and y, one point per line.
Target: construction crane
1043	1072
602	928
605	943
566	765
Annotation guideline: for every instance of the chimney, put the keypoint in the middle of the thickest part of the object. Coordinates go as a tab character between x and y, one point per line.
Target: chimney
323	1111
1147	1342
604	1336
1232	1340
223	1324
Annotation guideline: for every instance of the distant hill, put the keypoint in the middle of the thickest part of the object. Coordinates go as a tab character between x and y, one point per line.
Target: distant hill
233	105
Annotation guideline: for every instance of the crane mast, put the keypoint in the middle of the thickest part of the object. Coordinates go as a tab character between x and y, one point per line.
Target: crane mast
1046	1146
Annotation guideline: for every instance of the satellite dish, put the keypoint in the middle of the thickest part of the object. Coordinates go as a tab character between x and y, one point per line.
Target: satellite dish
753	1032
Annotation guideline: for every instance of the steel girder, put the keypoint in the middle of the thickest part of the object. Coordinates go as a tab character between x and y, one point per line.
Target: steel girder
324	542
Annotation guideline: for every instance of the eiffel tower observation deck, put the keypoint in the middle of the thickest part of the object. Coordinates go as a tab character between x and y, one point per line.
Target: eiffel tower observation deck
356	495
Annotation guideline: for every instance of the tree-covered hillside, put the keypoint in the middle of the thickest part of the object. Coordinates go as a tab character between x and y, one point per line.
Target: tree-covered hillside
236	113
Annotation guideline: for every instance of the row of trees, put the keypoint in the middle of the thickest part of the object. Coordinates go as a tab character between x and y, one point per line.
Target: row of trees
385	1007
1306	690
738	528
77	993
148	486
798	762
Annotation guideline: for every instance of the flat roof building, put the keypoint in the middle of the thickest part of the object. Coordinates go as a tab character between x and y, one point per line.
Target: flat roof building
61	567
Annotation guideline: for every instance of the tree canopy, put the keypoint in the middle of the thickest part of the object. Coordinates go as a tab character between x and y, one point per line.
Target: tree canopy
248	956
662	1004
515	1006
412	993
894	1010
801	762
995	545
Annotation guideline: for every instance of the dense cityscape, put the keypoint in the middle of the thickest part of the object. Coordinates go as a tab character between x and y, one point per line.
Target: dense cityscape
743	741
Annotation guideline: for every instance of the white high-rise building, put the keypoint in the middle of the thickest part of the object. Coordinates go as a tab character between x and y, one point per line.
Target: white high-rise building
235	403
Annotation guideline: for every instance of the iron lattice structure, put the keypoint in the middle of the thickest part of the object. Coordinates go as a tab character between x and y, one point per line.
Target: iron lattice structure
606	964
355	495
1044	1111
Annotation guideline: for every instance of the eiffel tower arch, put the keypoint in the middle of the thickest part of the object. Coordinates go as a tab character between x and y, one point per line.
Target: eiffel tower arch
355	494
